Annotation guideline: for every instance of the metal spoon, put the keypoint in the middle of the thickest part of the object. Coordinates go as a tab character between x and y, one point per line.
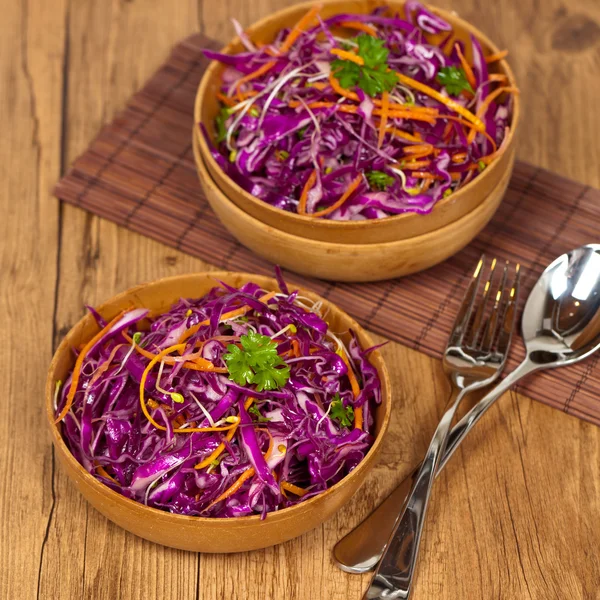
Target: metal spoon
560	326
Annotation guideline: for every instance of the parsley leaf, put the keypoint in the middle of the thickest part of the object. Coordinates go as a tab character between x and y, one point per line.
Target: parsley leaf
343	414
256	362
454	80
373	77
379	180
253	410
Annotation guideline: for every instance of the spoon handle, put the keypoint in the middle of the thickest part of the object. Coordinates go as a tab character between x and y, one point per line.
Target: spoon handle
361	549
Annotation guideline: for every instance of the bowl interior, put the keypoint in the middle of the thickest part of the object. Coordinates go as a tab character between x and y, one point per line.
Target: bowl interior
207	107
158	297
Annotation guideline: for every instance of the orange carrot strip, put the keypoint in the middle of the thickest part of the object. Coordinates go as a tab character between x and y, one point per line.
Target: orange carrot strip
318	85
78	365
472	128
262	70
495	57
419	150
385	109
296	348
416	164
499	77
459	157
299	28
102	471
338	89
194	362
451	104
466	67
233	488
349	191
226	99
238	312
294	489
369	29
486	104
358	411
411	137
143	379
424	175
304	195
345	55
219	449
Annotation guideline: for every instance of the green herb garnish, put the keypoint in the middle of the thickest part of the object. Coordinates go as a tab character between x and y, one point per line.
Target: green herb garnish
454	80
256	362
253	410
379	180
300	133
343	414
374	76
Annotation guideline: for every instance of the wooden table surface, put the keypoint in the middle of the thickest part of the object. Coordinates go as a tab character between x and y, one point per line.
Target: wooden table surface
516	515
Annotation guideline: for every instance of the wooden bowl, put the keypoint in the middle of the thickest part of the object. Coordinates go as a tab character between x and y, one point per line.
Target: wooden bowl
399	227
197	533
348	262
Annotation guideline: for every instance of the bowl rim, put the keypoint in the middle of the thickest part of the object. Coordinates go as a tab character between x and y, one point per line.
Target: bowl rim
336	224
279	515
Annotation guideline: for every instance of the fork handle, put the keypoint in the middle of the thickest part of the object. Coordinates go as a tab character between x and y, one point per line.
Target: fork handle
361	549
394	576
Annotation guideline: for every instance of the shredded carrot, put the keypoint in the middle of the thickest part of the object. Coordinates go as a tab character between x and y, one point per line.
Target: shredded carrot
238	312
345	55
226	99
143	379
299	28
193	362
385	110
219	449
426	185
499	77
447	49
358	411
304	195
472	128
369	29
338	89
424	175
296	348
78	365
483	107
459	157
419	150
416	164
233	488
102	471
319	85
411	137
294	489
262	70
455	106
466	67
497	56
349	191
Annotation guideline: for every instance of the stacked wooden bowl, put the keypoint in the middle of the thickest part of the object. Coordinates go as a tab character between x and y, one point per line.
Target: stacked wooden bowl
368	250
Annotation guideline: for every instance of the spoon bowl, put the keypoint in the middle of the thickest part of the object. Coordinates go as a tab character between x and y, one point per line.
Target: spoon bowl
561	320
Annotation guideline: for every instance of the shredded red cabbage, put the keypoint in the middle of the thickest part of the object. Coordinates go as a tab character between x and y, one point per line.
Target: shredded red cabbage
284	127
279	446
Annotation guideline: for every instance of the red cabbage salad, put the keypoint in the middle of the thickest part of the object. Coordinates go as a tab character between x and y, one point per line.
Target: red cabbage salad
238	403
360	116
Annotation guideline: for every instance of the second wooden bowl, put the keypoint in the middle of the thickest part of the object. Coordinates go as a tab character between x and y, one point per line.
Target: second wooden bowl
197	533
400	227
348	262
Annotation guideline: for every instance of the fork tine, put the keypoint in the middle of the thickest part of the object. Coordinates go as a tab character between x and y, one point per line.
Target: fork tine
466	308
508	321
478	322
491	326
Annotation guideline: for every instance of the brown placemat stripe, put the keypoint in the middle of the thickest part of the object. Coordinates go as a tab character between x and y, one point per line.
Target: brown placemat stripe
140	173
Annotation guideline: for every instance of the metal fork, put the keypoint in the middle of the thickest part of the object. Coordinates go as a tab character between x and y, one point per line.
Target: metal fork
474	357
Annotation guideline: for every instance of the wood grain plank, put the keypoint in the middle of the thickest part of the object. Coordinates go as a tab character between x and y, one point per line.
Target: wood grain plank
31	46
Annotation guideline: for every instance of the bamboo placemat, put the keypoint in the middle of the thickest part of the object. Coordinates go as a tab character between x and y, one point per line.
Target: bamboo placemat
139	172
